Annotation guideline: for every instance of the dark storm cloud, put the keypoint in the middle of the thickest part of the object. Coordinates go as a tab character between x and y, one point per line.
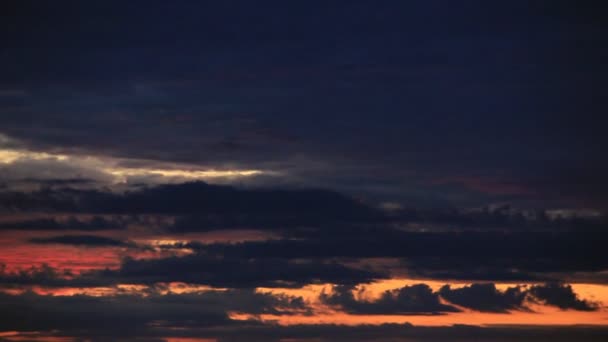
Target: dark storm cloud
81	240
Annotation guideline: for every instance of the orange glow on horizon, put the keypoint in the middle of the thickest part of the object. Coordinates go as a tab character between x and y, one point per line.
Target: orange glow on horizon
542	315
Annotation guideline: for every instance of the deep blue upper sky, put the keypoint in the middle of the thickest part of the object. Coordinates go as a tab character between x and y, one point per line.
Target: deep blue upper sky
423	103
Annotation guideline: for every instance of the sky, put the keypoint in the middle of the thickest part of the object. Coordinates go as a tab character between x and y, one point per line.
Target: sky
303	171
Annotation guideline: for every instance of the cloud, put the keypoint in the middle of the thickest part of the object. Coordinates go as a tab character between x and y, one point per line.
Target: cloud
414	299
81	240
214	271
196	198
225	271
485	297
26	166
562	296
503	217
122	314
465	255
198	268
43	275
95	223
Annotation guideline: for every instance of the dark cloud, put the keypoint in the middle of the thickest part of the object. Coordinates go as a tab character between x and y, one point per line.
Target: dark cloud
96	223
470	255
502	217
225	271
39	276
57	182
204	314
198	198
562	296
130	313
485	297
212	270
414	299
81	240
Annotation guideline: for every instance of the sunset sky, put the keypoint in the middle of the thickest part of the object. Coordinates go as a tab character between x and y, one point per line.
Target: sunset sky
303	171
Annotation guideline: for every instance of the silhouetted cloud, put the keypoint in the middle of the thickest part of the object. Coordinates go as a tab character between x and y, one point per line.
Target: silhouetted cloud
223	271
129	313
81	240
198	198
72	223
43	275
562	296
485	297
469	255
414	299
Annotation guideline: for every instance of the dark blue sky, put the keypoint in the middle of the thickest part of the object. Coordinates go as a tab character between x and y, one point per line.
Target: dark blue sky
422	102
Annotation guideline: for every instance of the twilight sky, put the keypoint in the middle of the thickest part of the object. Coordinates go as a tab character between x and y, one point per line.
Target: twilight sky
303	170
